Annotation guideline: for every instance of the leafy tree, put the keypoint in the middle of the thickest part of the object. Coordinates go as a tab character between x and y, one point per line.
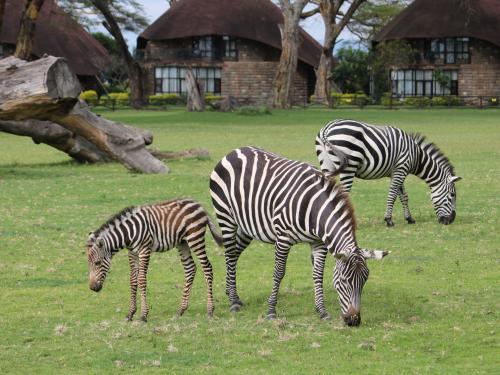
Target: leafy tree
383	58
115	73
336	14
372	16
351	71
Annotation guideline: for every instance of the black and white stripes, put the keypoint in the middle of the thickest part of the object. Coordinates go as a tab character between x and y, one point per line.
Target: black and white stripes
355	149
257	194
177	223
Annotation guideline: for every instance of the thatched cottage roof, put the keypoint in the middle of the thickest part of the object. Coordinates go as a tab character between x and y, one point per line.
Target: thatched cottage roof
446	18
256	20
59	35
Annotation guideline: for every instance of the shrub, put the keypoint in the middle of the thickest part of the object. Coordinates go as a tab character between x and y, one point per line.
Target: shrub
359	99
445	100
417	101
89	96
209	98
386	100
165	99
254	111
119	97
494	101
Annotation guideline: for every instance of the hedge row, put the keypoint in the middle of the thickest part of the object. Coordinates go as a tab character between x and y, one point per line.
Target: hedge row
122	98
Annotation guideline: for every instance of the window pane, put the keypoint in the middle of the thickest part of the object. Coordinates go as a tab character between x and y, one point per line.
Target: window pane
428	75
408	74
157	72
419	74
401	88
182	72
394	75
428	88
450	58
217	73
164	87
401	74
419	88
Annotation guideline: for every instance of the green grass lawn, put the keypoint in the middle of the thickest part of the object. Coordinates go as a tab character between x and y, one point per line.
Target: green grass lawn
431	307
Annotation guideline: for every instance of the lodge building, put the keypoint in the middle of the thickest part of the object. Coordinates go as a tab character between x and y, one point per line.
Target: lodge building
459	39
233	48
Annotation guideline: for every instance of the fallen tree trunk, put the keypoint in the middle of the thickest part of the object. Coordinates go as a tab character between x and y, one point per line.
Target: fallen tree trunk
199	153
58	137
47	90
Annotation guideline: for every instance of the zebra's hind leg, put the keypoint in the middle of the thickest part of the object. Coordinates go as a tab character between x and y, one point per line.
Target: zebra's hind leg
133	261
282	249
234	247
397	180
144	255
197	246
403	196
189	273
318	255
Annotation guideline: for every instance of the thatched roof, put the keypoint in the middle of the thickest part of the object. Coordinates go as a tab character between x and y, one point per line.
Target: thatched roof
446	18
59	35
256	20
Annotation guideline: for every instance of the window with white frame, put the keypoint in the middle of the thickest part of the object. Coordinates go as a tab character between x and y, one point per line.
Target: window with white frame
172	79
423	82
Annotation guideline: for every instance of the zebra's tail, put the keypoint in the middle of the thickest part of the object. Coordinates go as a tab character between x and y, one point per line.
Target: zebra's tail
343	159
215	233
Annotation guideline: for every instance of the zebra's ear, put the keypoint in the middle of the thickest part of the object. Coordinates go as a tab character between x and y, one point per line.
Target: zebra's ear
91	238
374	254
454	178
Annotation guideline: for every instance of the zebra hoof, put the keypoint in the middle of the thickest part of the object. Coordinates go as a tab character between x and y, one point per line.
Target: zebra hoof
144	319
410	220
210	314
271	316
235	307
325	316
180	312
389	222
129	318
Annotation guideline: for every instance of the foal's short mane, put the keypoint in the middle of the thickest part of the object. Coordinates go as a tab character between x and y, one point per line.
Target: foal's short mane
432	150
113	218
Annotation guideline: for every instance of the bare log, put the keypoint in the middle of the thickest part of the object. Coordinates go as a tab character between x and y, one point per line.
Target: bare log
58	137
47	90
195	98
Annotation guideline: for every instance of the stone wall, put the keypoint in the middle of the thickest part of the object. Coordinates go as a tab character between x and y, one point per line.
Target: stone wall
249	77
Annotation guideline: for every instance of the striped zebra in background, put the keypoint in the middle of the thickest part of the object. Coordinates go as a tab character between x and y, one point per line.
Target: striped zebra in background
355	149
259	195
159	227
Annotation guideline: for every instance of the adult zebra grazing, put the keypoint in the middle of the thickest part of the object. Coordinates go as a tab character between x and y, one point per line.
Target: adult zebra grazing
371	152
257	194
177	223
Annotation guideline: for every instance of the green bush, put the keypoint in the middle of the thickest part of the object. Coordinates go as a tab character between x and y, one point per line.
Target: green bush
209	98
494	101
119	97
360	99
165	99
385	100
449	100
89	95
417	101
254	111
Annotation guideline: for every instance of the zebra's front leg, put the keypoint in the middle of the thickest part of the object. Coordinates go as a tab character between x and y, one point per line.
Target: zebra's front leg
396	183
144	256
282	249
189	273
403	196
319	253
133	261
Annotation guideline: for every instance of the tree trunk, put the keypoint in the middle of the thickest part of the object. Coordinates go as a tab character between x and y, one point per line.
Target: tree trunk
283	83
2	12
195	97
58	137
134	70
24	45
48	90
329	10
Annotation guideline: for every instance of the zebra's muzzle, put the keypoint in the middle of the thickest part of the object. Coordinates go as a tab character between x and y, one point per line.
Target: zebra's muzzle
96	287
352	320
447	219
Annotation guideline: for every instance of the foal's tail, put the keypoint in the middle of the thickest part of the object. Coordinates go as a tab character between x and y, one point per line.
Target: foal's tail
215	233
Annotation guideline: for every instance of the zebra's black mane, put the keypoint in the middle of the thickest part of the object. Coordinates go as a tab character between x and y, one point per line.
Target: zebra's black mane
113	218
432	150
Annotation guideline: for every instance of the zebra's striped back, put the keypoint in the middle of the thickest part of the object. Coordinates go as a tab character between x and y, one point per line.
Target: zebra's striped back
265	195
384	151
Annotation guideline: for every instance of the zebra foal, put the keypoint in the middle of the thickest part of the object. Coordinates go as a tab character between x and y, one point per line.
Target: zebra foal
259	195
159	227
355	149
